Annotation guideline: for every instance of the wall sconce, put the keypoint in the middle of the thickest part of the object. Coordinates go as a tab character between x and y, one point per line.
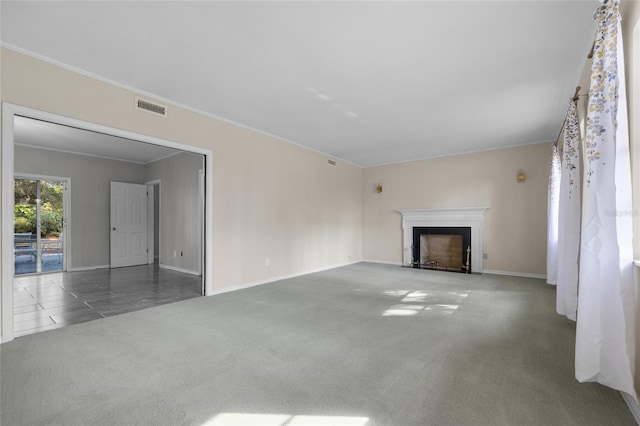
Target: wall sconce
521	176
379	188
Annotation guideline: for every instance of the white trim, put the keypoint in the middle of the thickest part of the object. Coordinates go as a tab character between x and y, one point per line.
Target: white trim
31	176
158	183
201	259
84	154
150	223
164	157
89	268
7	224
175	268
273	279
515	274
636	262
104	157
633	406
473	151
382	262
208	223
8	112
66	228
155	98
472	217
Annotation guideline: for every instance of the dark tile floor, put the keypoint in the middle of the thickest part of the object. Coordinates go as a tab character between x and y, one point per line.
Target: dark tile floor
48	301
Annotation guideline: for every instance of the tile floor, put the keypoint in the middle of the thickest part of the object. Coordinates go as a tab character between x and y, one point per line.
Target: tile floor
47	301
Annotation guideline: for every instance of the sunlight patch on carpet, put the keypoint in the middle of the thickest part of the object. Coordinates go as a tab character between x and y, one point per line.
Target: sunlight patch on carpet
416	302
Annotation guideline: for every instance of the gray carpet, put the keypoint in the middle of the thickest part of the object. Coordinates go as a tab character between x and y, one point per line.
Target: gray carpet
395	345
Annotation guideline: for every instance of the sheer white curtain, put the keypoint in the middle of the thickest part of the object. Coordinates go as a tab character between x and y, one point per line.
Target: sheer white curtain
605	331
569	217
552	217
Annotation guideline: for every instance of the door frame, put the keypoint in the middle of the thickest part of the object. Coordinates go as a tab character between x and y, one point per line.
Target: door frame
151	218
201	187
66	207
9	111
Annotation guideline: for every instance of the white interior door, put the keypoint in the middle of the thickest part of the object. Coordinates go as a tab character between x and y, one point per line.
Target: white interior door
128	224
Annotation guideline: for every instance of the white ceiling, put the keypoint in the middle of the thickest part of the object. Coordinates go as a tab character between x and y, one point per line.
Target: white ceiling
368	82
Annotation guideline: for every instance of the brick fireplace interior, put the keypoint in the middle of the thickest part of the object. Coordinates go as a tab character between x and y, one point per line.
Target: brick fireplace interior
442	248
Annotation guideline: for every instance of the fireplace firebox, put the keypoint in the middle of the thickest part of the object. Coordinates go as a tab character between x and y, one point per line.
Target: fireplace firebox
442	248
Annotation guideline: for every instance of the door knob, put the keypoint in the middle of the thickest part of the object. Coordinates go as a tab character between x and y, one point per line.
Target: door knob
114	228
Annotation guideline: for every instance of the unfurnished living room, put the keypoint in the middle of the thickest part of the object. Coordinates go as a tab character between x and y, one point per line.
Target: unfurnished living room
320	213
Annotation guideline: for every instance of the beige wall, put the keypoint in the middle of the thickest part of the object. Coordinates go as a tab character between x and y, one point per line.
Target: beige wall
288	205
180	216
515	224
270	198
90	199
630	11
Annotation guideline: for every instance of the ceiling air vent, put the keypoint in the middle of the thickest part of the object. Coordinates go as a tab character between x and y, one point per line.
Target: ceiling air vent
151	107
331	162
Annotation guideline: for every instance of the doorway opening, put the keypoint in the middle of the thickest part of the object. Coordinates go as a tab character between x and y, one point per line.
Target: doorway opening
85	248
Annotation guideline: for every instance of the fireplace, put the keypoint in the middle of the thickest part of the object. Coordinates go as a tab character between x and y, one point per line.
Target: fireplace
442	248
471	219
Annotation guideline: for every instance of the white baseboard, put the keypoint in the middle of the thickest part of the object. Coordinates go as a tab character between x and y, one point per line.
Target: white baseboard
382	262
486	271
278	278
633	406
94	267
515	274
175	268
89	268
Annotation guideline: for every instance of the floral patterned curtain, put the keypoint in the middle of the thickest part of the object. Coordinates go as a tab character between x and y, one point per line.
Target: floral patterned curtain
569	217
552	217
605	331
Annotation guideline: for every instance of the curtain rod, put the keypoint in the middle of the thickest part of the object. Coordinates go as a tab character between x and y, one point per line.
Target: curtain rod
576	95
575	98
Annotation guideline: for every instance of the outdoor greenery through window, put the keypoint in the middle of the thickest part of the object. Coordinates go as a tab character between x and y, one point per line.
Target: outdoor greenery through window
25	207
38	226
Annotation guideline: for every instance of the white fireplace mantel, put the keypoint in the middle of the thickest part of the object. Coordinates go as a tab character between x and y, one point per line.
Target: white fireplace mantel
472	217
